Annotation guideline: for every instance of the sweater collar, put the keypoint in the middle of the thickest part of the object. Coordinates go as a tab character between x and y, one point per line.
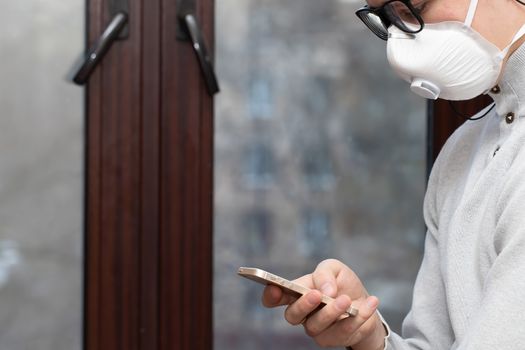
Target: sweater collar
509	94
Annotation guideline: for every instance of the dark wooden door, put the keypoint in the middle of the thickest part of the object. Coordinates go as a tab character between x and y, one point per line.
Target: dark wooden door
148	190
443	120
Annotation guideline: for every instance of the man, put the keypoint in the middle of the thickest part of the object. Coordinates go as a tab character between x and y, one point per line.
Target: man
470	291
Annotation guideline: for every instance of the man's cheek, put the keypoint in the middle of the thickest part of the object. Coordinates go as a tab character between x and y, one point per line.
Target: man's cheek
375	3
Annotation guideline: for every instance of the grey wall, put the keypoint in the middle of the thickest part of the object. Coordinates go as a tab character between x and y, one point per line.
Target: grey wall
41	175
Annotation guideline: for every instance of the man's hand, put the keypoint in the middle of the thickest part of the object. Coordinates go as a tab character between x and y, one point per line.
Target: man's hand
330	326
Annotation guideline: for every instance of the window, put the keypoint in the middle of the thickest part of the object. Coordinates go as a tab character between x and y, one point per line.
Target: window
256	226
314	234
260	98
317	168
258	166
339	166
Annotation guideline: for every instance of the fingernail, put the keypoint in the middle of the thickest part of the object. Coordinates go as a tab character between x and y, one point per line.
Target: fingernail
372	303
327	289
313	298
342	303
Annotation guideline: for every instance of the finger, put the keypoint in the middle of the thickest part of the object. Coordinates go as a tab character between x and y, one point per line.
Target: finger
324	276
324	318
296	312
306	281
350	330
274	296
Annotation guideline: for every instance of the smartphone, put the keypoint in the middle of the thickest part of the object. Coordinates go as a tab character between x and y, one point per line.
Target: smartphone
287	286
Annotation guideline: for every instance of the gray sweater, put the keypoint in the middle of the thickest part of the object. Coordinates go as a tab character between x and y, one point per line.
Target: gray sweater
470	290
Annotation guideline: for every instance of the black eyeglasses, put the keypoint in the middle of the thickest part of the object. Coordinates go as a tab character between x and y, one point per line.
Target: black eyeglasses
400	13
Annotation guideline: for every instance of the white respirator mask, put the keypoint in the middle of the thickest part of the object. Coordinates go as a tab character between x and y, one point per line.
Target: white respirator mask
449	60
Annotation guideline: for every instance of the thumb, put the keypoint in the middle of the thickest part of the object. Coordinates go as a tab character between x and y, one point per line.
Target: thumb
324	276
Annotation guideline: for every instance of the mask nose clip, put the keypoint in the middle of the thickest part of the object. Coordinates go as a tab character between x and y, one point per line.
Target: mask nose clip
401	35
425	88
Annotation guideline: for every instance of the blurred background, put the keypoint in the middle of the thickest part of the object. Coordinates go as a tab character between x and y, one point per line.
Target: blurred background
320	152
41	175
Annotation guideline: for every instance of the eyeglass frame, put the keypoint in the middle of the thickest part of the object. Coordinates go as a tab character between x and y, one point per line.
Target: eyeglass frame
380	13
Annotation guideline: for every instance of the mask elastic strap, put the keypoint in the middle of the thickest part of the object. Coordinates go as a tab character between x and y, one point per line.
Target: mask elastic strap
516	45
471	12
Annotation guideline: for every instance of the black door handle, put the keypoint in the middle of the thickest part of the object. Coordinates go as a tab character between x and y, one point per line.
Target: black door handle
100	48
191	26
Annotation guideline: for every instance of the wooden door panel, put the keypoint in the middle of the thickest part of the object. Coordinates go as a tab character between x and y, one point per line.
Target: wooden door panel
148	202
113	189
443	120
186	175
